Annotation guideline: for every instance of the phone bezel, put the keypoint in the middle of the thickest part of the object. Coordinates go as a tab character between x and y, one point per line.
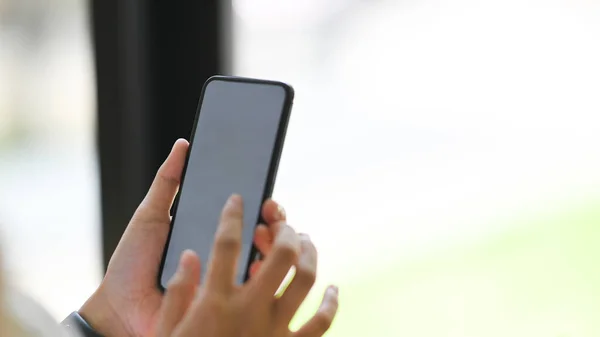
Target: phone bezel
273	166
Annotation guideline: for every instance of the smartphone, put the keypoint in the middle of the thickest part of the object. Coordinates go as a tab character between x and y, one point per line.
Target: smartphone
235	147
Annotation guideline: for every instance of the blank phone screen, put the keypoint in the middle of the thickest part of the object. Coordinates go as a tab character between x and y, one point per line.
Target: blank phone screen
231	152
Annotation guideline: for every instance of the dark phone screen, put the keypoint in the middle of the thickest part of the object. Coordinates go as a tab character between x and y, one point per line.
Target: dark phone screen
232	147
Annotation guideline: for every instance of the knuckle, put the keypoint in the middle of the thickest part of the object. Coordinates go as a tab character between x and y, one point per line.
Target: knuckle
212	302
147	213
177	287
309	246
287	252
217	305
227	243
305	275
169	181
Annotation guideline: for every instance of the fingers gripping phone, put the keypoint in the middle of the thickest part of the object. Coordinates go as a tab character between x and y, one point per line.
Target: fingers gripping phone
236	143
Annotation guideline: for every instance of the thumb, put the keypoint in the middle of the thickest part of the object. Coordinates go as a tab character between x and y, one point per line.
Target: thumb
159	199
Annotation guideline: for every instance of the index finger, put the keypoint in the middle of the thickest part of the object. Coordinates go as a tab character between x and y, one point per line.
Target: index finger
272	213
222	267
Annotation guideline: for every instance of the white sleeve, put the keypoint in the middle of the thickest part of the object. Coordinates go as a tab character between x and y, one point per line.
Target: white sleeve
34	320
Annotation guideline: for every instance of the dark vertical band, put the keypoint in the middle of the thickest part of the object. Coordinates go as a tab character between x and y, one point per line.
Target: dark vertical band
151	59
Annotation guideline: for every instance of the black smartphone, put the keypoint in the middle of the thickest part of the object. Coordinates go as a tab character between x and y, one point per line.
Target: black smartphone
235	146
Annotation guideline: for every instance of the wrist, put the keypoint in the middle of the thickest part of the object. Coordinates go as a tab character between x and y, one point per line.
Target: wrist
76	322
100	316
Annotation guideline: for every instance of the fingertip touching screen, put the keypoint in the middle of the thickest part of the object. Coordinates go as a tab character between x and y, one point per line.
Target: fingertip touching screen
231	152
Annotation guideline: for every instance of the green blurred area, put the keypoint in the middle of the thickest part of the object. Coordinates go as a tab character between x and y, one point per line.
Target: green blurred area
541	278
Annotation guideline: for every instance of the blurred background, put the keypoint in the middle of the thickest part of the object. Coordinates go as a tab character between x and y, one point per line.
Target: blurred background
443	155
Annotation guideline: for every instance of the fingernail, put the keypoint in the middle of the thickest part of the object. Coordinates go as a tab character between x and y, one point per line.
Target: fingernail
234	200
280	212
304	236
333	290
183	261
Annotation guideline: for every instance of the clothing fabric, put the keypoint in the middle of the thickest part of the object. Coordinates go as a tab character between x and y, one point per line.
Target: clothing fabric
32	318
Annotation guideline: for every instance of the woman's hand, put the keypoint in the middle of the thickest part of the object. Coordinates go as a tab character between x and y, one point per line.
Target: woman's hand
220	308
128	300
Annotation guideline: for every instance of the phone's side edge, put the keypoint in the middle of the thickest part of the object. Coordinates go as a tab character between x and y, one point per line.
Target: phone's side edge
160	286
274	162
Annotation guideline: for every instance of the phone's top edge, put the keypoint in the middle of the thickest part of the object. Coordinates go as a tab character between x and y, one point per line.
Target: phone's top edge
227	78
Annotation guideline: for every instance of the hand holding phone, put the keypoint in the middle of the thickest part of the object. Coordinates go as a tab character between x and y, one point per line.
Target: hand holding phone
222	308
235	147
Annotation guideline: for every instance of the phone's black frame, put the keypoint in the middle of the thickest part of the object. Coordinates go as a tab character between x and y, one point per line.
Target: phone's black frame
273	167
